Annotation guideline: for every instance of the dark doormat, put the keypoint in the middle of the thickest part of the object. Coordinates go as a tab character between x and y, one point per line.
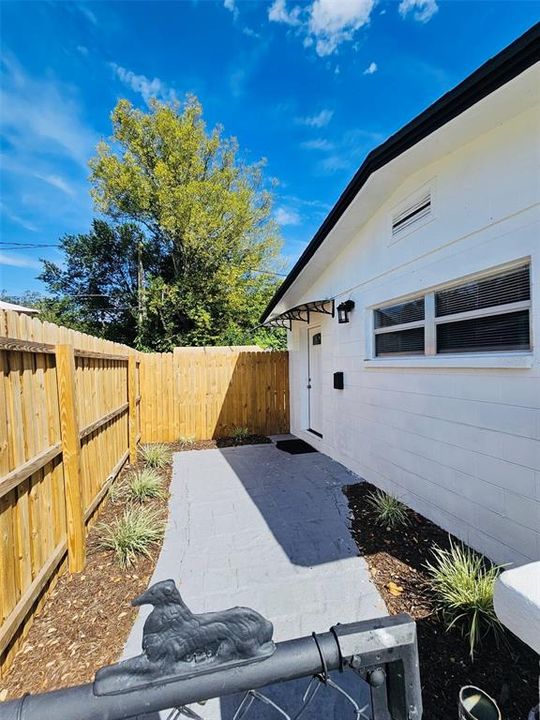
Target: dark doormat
295	447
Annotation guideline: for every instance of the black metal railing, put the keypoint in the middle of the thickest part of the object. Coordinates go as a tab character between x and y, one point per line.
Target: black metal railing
190	658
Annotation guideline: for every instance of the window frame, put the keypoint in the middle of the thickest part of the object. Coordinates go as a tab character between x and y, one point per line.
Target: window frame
431	322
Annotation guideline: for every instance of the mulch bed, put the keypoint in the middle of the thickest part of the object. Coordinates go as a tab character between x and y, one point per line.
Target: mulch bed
222	442
509	674
87	618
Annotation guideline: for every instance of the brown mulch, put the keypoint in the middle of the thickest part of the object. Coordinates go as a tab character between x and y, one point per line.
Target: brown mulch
87	618
508	673
222	442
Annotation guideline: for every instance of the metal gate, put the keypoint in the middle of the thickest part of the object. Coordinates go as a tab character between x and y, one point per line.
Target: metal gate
190	658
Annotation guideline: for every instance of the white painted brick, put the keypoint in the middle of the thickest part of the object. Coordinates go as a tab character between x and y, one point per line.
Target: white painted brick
518	478
524	511
521	451
461	444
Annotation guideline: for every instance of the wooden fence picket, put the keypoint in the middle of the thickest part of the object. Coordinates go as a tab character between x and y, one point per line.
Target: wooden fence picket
73	409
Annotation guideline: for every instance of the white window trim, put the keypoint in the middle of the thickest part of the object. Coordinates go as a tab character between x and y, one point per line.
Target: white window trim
430	358
509	359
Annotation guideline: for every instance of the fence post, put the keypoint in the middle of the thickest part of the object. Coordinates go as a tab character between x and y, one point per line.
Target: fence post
71	448
132	399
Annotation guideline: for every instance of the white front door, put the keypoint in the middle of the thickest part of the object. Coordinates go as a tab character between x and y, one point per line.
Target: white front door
315	380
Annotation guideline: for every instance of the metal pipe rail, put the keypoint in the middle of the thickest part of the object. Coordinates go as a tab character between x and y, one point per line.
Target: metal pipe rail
382	651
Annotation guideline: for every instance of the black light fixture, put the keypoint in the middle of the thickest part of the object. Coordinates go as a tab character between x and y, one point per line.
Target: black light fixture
343	310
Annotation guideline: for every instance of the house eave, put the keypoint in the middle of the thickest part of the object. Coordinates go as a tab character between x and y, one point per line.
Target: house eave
492	75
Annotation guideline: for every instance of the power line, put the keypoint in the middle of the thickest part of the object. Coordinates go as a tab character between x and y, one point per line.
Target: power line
24	246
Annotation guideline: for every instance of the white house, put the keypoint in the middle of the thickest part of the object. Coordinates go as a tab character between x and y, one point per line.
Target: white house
436	241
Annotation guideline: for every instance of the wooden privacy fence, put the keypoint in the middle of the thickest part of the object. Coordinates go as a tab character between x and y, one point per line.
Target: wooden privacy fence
72	411
206	392
69	418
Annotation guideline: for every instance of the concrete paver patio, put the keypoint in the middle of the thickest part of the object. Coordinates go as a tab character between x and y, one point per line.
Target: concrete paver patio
259	527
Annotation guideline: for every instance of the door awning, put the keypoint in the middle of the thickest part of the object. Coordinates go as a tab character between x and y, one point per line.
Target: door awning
301	313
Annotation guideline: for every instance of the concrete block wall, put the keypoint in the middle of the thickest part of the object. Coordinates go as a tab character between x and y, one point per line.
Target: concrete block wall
459	444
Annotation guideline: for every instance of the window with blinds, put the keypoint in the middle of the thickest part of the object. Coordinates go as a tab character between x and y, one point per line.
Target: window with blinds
488	315
399	329
491	314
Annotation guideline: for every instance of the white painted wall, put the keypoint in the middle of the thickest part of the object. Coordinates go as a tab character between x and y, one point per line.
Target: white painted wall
459	444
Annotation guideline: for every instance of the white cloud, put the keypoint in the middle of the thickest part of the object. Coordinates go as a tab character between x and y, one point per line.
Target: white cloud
41	117
18	261
423	10
371	68
83	50
147	88
57	182
250	32
334	163
325	23
17	219
46	147
88	14
278	12
319	120
231	6
318	144
334	22
287	216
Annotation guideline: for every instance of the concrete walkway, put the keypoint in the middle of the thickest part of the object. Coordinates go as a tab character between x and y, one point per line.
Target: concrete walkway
259	527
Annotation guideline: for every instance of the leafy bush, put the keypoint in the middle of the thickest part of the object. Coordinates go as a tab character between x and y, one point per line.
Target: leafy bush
462	582
186	441
389	511
155	456
239	433
131	534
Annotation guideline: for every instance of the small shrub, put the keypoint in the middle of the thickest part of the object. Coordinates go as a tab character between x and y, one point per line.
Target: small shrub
117	491
155	456
239	434
389	511
131	534
144	484
462	583
186	441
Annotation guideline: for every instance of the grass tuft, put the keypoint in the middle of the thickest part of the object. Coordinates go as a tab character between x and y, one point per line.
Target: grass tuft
239	433
186	441
155	456
462	582
144	485
132	534
389	511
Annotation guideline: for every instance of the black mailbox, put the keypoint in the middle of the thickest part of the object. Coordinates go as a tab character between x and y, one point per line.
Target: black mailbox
338	381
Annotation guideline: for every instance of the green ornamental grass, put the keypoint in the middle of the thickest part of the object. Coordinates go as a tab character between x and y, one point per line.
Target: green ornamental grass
240	433
462	582
389	512
186	441
156	456
132	534
144	484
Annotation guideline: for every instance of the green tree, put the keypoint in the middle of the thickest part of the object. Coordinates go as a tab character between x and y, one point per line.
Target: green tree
206	219
99	287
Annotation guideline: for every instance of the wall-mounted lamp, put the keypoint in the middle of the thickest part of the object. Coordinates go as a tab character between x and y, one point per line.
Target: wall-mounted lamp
343	310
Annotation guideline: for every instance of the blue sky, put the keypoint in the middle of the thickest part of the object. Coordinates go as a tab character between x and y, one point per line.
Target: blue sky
310	86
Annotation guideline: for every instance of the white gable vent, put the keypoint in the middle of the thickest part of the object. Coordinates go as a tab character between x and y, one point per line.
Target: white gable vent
411	214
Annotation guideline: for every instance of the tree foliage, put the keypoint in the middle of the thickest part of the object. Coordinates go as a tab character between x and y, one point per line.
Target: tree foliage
191	216
96	289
